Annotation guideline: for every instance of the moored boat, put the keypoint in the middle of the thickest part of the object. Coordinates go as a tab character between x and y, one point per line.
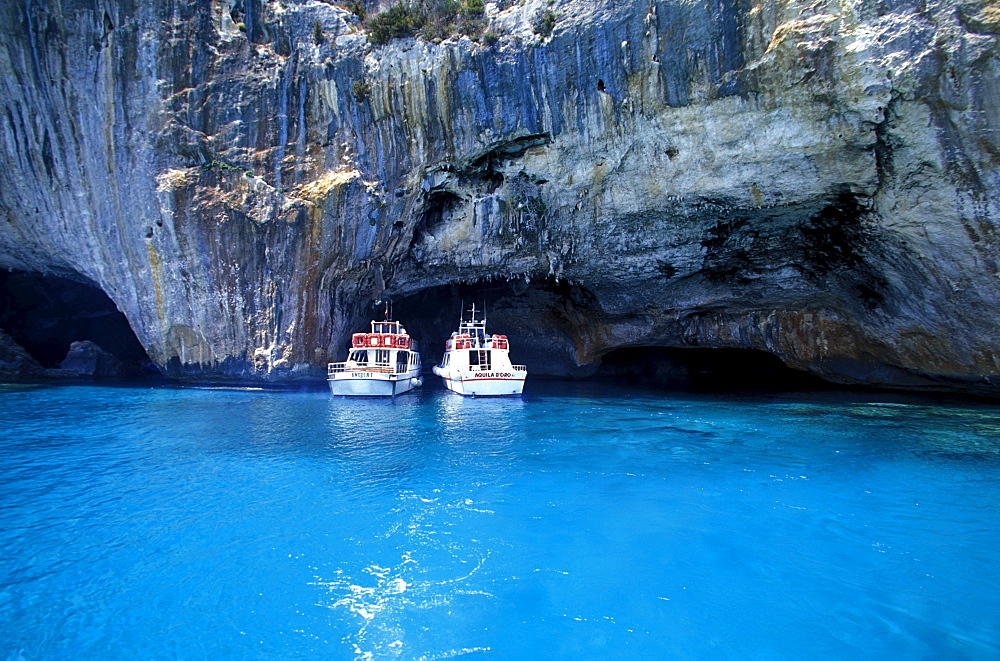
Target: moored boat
477	364
382	363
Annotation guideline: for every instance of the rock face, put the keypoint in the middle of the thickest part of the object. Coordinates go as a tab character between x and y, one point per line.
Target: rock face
16	364
85	358
816	180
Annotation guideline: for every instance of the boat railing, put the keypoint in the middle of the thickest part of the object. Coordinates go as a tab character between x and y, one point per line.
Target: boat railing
475	342
381	368
480	368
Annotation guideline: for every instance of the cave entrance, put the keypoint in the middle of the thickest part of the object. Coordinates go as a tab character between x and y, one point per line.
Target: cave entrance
513	307
47	313
431	314
702	369
539	317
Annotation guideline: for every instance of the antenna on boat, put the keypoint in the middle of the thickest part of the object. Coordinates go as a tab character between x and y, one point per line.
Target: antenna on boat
386	311
461	312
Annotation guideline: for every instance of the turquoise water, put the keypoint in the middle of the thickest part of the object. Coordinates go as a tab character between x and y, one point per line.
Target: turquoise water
583	522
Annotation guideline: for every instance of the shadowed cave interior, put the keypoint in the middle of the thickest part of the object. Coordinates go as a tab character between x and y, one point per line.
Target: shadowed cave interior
47	313
534	316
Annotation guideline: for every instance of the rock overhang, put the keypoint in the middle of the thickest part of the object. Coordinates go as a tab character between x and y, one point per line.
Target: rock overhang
800	180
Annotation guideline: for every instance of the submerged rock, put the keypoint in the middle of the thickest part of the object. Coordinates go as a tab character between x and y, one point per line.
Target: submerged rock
814	180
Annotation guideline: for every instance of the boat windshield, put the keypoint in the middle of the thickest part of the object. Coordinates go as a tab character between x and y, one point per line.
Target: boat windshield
386	327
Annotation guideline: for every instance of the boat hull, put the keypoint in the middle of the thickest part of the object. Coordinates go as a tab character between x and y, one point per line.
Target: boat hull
367	384
483	384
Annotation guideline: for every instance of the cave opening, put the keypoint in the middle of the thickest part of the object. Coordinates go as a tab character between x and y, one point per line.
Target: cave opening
706	370
430	315
543	318
46	313
526	311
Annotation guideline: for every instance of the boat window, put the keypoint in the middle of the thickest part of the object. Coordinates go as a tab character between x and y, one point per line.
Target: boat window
480	358
382	356
360	357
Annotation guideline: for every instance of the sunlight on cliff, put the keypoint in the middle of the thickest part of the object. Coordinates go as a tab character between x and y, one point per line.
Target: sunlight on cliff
319	188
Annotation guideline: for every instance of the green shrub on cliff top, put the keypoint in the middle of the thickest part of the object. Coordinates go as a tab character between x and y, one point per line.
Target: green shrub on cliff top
545	22
428	19
394	23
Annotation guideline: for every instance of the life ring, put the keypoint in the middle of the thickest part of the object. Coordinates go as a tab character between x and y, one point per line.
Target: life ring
388	341
403	341
358	340
372	339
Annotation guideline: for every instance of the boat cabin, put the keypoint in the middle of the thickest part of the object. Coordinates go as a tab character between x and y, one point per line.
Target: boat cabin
387	348
384	335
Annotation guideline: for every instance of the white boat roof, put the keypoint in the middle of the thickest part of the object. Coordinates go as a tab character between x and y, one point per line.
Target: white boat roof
392	327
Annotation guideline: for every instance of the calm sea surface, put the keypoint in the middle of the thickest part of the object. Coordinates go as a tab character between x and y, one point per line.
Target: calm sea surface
580	522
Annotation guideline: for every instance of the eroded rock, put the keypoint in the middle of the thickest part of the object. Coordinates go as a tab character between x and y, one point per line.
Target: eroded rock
16	364
814	180
86	358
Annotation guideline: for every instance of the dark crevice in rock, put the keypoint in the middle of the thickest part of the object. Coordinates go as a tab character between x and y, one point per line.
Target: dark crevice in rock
108	26
45	314
886	143
838	242
728	251
438	206
727	19
507	150
834	237
706	369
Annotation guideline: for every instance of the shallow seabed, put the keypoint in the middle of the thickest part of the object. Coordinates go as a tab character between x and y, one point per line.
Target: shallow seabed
582	521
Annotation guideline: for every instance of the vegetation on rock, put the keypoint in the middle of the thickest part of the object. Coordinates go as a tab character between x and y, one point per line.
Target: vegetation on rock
428	19
545	22
360	89
356	7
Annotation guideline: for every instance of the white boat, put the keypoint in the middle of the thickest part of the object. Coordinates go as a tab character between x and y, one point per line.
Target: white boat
477	364
381	363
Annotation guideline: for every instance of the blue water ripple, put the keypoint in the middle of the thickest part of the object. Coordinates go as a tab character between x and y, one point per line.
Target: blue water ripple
582	521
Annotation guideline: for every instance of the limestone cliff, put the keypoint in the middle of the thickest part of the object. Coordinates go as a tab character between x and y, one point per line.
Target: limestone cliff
817	180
